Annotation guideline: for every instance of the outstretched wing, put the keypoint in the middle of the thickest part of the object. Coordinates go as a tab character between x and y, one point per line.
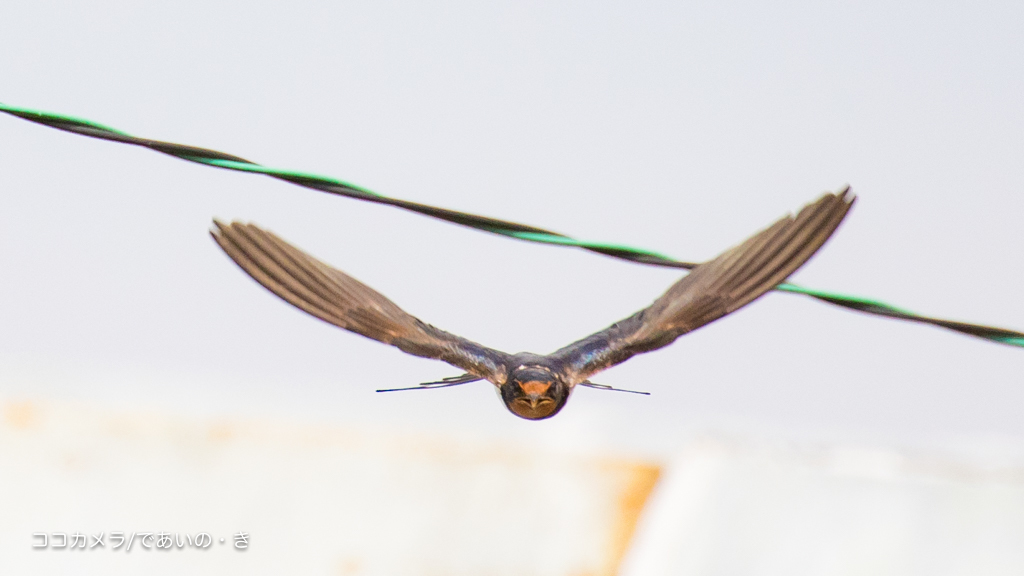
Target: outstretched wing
337	298
711	290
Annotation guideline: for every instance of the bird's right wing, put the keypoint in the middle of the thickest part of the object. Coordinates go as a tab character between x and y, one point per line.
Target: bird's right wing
711	290
337	298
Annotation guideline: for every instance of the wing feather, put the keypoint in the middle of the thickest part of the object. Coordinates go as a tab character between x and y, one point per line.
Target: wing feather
711	290
335	297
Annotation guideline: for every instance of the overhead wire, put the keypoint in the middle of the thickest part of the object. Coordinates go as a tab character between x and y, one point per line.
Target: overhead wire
483	223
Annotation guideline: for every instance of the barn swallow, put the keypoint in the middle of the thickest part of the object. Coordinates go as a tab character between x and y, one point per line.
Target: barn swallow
535	386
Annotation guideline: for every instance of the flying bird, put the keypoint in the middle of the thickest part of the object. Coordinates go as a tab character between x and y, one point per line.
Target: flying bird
535	386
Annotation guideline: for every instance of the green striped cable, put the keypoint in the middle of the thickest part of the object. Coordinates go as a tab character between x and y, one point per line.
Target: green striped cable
492	225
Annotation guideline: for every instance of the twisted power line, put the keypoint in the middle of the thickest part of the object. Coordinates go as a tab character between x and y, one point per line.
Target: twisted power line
492	225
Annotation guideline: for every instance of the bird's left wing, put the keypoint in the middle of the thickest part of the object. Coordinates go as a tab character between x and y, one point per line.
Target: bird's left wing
711	290
337	298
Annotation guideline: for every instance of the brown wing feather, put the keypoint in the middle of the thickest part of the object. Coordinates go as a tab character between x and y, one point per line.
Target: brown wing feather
337	298
712	289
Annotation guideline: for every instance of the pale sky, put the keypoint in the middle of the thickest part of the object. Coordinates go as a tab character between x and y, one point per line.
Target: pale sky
677	127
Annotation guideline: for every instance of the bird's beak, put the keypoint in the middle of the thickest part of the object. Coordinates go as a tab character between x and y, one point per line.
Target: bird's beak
535	391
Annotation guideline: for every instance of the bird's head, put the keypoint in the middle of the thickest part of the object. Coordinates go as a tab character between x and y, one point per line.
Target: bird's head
534	392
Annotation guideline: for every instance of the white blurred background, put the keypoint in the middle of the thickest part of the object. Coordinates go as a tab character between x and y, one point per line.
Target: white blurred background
678	127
